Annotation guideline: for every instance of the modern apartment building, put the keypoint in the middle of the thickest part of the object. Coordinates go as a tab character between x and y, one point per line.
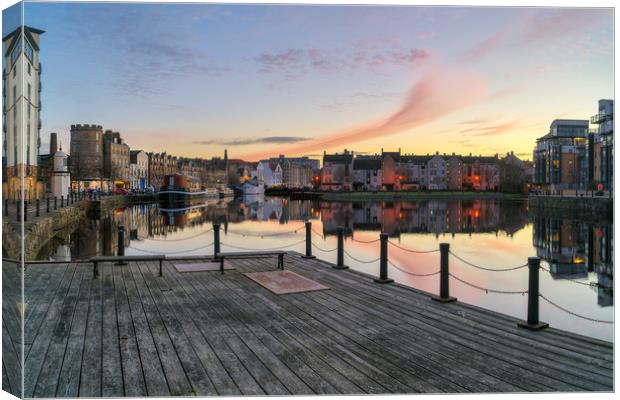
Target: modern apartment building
601	146
560	156
21	87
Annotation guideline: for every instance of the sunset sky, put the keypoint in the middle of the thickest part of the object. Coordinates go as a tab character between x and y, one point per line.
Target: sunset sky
262	80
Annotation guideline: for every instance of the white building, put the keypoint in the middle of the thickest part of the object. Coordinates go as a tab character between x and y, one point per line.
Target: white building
22	105
270	173
138	169
60	175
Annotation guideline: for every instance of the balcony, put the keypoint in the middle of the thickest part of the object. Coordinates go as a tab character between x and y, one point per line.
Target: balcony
601	117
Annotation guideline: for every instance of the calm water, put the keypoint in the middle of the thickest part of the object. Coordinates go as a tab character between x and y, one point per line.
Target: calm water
488	233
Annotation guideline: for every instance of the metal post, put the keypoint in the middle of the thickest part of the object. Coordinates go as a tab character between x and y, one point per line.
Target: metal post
38	209
340	252
308	240
62	201
444	275
55	203
383	263
216	240
532	323
25	209
121	245
48	205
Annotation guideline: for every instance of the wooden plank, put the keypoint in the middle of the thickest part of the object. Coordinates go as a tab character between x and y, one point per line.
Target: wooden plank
436	319
133	381
11	366
416	376
36	355
218	329
154	377
194	370
69	378
298	378
178	382
461	322
213	367
47	381
111	366
90	370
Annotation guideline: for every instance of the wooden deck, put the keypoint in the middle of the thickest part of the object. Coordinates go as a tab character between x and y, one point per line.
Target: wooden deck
132	333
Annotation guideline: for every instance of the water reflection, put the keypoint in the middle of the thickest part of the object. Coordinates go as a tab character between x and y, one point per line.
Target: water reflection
575	249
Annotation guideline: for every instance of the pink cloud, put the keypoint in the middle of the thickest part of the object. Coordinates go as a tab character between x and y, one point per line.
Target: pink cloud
532	26
435	95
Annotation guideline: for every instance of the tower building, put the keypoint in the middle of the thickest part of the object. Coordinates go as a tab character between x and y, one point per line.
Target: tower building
21	84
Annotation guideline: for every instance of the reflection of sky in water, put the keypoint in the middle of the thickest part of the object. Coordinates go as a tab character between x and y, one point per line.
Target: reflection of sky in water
489	245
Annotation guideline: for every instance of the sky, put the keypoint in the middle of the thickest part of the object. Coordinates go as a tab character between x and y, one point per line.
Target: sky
263	80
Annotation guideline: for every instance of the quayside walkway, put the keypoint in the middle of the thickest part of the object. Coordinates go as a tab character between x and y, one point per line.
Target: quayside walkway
130	332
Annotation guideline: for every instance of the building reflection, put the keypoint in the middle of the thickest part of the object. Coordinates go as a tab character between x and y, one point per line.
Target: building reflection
574	249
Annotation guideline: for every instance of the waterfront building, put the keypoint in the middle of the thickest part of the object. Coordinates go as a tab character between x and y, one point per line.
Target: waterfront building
86	160
21	89
454	172
138	169
160	165
297	172
391	175
601	146
560	157
481	172
337	173
436	173
414	171
60	178
269	172
367	173
116	159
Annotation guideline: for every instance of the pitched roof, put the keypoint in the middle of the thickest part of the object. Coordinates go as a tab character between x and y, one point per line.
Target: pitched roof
345	158
365	163
28	31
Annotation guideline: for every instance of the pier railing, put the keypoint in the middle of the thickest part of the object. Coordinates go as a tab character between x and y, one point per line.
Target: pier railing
533	265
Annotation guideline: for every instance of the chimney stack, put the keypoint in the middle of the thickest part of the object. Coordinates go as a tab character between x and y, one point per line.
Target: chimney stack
53	143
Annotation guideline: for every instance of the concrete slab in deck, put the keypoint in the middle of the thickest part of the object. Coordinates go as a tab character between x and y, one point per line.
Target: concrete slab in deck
132	333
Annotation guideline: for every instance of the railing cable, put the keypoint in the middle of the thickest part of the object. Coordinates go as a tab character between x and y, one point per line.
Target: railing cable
590	284
488	269
409	272
574	314
365	241
412	250
294	231
361	261
324	250
488	290
182	239
171	252
265	249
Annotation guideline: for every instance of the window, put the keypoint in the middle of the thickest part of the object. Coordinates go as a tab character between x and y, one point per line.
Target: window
14	93
29	91
29	68
16	50
14	72
28	50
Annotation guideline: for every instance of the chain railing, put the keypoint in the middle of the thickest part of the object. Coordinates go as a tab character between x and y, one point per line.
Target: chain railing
401	269
172	252
590	284
183	239
488	290
324	250
263	235
361	261
412	250
486	268
263	249
574	314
